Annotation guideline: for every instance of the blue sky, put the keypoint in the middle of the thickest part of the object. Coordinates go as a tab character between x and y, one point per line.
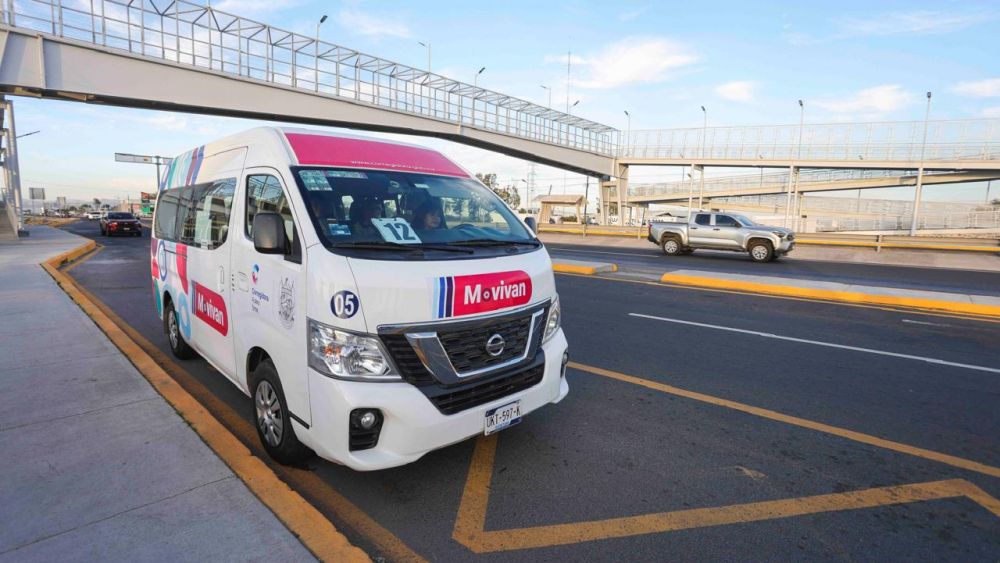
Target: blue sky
748	63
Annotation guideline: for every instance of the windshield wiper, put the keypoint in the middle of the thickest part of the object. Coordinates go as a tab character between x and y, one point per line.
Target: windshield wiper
374	245
492	242
386	245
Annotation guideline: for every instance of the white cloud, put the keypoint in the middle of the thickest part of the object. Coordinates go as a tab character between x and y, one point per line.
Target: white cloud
916	22
992	112
633	60
988	88
630	15
374	25
876	100
737	91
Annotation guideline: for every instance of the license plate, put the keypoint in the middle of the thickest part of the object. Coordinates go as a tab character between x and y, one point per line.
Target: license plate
502	417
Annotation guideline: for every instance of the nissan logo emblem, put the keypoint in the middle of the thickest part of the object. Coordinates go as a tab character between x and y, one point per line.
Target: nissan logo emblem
494	346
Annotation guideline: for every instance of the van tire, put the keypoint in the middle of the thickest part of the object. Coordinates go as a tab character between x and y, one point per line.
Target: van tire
761	250
671	246
178	346
272	419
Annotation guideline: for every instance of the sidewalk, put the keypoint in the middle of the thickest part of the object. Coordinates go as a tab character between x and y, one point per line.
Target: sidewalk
96	465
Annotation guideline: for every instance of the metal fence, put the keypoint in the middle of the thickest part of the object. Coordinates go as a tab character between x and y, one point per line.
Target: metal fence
775	180
192	34
972	139
969	220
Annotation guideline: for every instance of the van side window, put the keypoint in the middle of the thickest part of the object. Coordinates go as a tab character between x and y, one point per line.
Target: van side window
212	205
196	215
703	219
166	215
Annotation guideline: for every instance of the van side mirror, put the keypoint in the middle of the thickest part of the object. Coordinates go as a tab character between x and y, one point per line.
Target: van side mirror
530	222
269	234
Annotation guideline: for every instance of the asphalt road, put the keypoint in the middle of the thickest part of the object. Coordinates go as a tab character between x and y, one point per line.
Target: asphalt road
617	449
653	260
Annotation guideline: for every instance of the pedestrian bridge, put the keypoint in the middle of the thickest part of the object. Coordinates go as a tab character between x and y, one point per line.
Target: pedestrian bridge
178	55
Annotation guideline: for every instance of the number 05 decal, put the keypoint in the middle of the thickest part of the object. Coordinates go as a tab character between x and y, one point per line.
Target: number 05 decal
396	230
345	304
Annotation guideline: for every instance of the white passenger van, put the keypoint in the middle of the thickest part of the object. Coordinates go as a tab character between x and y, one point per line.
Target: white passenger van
374	300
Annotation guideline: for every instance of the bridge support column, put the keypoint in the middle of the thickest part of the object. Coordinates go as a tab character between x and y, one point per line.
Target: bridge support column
792	181
916	199
622	173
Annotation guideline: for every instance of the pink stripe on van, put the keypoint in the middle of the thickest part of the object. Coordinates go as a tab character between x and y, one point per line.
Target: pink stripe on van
324	150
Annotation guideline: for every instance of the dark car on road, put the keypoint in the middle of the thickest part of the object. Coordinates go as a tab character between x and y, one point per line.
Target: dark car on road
120	223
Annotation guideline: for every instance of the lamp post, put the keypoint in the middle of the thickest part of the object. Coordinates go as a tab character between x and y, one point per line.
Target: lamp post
704	134
319	23
628	129
475	81
428	46
30	133
550	94
920	171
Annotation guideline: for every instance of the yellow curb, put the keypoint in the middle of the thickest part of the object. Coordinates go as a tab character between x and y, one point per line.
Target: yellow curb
313	529
582	270
833	295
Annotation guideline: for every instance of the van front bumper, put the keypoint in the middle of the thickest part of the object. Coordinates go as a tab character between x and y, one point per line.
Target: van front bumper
411	425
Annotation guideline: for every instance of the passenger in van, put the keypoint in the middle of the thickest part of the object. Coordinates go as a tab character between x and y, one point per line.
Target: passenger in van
362	213
429	215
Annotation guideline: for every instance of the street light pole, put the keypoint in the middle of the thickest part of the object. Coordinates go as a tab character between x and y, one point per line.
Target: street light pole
475	81
920	171
428	45
319	23
628	129
704	134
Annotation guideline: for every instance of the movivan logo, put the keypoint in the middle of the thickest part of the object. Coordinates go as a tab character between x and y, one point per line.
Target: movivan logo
210	307
466	295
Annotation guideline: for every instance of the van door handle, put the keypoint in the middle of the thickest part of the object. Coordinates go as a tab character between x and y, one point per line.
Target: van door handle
220	280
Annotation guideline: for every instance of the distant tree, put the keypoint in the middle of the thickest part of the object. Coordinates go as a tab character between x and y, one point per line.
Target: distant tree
489	179
509	194
995	202
85	207
97	203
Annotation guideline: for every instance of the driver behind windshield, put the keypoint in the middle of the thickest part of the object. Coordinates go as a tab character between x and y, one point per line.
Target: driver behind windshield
429	215
362	213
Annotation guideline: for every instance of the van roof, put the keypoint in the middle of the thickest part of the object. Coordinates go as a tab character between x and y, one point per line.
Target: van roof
309	147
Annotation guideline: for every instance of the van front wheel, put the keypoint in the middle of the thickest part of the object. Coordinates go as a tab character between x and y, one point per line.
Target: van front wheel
274	425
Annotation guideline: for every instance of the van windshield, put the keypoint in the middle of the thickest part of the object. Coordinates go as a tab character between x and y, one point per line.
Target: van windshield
407	212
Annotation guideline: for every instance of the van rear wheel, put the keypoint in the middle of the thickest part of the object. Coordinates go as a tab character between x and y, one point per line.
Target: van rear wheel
273	421
178	347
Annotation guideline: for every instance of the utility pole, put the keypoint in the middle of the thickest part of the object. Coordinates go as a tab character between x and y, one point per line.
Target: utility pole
920	171
704	134
569	56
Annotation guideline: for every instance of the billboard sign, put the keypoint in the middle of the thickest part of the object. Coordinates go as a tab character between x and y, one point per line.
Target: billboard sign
36	193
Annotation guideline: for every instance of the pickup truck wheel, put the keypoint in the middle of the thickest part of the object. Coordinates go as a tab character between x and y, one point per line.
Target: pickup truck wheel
761	251
671	246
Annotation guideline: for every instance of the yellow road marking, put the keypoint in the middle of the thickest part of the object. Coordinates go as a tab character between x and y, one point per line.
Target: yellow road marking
790	298
470	523
796	421
470	526
832	295
316	532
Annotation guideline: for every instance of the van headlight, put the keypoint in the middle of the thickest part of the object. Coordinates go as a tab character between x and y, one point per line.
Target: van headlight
345	355
553	321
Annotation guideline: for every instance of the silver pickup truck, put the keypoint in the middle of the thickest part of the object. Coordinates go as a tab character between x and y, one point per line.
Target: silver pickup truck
722	231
